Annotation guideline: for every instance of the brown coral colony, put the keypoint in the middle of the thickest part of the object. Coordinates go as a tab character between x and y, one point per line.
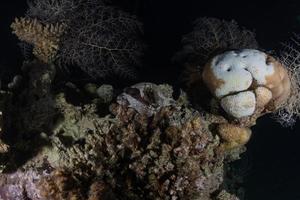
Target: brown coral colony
44	38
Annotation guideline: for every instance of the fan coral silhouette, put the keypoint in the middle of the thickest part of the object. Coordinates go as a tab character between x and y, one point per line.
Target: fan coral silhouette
290	57
100	39
212	35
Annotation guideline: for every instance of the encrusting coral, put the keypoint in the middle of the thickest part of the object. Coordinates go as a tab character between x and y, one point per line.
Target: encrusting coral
44	37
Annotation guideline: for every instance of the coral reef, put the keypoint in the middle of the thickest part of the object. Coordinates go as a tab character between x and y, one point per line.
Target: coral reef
76	142
98	38
150	146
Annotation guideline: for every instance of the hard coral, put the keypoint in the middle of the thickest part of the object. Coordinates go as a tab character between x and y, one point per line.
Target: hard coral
231	74
44	37
233	136
246	82
170	154
150	146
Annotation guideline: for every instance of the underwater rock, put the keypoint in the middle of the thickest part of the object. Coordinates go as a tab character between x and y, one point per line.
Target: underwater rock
105	93
15	83
34	105
91	89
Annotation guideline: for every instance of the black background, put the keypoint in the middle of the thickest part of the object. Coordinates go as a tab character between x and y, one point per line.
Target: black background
273	152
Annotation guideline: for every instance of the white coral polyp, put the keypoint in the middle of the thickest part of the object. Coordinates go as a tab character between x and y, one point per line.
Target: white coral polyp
239	105
237	70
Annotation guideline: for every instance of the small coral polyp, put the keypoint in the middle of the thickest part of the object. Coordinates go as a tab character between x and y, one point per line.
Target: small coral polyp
243	80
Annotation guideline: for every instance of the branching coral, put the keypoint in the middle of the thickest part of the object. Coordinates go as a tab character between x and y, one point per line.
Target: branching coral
100	39
44	38
290	57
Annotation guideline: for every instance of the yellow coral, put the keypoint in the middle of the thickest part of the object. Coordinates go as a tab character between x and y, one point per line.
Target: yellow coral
233	136
44	38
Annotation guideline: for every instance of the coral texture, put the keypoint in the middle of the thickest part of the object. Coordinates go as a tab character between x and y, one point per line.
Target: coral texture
100	39
232	75
44	38
168	153
211	36
289	56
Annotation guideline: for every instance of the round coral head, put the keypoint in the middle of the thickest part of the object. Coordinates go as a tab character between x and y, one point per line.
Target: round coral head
234	73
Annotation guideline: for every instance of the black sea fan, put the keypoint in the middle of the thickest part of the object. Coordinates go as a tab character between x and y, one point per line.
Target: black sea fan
211	35
102	40
289	55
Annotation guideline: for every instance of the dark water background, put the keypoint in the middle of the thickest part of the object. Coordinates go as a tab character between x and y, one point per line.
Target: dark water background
273	152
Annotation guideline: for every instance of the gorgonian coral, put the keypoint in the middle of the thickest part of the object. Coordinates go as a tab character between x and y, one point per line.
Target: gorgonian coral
290	57
100	39
212	35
